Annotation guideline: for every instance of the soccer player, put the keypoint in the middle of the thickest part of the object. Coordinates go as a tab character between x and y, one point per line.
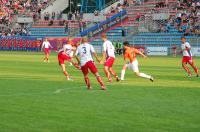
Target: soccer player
109	54
72	52
85	51
187	57
45	46
64	54
130	54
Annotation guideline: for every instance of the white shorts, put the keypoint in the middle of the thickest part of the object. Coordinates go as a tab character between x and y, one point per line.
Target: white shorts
133	66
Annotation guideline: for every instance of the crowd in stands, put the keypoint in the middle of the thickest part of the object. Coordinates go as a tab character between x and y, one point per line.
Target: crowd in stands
9	9
120	6
187	19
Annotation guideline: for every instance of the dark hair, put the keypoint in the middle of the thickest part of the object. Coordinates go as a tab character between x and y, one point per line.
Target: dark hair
126	43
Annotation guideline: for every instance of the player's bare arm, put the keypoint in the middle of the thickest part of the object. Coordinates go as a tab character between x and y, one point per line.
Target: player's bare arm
96	57
140	53
73	48
103	57
78	60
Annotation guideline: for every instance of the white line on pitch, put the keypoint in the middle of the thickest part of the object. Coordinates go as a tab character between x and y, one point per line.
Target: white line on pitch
58	91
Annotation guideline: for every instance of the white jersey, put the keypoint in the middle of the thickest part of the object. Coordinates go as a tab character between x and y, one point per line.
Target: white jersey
67	48
46	44
85	51
109	49
186	52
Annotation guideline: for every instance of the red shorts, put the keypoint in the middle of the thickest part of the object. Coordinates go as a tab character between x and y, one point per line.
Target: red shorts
89	65
187	59
109	61
62	57
46	51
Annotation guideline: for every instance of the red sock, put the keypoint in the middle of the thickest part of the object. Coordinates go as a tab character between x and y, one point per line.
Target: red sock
99	79
87	81
196	70
187	70
108	76
66	74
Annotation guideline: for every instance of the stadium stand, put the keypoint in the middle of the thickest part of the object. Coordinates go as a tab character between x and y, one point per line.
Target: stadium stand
140	28
11	9
183	20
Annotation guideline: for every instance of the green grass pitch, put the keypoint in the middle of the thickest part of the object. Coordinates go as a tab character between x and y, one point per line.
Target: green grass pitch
36	97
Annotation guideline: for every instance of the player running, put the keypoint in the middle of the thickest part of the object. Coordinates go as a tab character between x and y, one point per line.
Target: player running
130	54
64	54
187	57
45	46
72	52
109	54
85	51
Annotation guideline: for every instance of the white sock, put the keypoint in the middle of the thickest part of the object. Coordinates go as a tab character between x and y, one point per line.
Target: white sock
122	74
144	75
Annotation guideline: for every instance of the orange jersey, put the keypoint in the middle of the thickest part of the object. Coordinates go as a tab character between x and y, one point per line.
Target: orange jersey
131	54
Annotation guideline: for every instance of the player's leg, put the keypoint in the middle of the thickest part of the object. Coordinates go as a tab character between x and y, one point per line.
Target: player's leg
65	72
61	59
71	55
123	71
94	70
136	70
184	65
194	67
114	74
86	78
106	70
87	82
143	75
99	79
69	59
47	57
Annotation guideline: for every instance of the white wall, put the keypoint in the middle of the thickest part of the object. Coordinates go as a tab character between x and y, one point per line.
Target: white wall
58	5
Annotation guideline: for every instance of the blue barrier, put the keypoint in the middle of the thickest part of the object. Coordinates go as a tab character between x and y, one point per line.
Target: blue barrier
98	28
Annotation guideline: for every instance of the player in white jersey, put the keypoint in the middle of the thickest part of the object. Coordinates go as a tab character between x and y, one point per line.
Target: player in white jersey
45	46
64	54
109	55
85	51
72	52
187	57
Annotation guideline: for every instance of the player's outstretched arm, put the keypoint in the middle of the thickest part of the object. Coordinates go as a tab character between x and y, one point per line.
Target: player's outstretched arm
78	60
144	56
103	57
96	57
42	46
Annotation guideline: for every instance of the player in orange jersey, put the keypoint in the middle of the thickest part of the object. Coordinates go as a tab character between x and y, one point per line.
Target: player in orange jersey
130	54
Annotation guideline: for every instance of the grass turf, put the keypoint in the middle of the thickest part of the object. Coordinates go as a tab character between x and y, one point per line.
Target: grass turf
35	97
